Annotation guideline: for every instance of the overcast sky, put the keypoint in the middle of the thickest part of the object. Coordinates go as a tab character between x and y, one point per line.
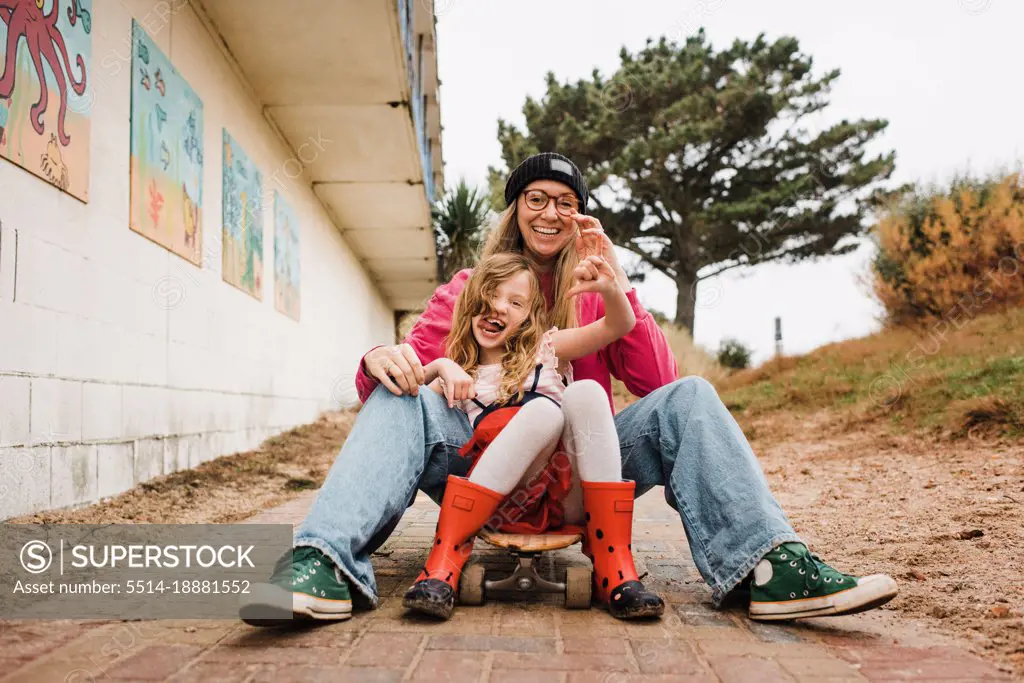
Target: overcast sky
945	73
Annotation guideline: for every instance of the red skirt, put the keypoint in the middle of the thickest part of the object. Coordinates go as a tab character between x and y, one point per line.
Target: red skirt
535	508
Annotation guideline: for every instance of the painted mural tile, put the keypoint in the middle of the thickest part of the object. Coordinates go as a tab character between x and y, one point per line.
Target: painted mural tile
166	195
287	267
243	220
45	100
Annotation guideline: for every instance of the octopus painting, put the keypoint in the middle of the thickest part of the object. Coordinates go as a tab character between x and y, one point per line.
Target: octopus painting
44	48
25	19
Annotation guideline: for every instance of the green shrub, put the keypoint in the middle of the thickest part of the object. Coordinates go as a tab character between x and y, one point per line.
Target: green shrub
732	353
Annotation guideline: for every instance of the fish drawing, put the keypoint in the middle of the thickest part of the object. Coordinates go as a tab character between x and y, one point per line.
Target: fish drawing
145	78
74	12
190	142
165	155
161	118
160	83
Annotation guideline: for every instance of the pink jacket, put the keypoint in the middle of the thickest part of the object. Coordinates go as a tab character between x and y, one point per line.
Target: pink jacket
642	359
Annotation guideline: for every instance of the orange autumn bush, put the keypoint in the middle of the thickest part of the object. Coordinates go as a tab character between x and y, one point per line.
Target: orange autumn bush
952	254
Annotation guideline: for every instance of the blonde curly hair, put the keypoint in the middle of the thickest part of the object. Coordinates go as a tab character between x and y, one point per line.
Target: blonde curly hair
521	345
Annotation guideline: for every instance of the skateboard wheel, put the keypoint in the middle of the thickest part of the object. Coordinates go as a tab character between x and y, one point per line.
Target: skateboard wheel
578	583
471	585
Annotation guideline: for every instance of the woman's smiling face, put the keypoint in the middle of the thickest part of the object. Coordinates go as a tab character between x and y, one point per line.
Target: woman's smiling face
508	308
546	231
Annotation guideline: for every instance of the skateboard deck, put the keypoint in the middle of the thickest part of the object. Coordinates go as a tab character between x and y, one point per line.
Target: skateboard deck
530	543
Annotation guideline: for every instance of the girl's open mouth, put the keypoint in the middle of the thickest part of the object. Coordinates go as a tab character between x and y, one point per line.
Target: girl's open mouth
547	232
492	325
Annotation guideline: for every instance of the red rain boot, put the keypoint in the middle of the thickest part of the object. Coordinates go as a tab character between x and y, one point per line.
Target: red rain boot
465	509
608	543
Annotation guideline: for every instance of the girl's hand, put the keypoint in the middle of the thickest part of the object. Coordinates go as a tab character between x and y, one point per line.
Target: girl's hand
398	368
456	384
594	274
591	240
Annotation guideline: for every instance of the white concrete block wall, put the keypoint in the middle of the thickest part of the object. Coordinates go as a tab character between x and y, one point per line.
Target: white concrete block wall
115	468
103	384
74	473
25	478
15	409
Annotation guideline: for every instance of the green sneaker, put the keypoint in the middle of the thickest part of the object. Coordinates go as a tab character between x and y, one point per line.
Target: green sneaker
790	582
307	586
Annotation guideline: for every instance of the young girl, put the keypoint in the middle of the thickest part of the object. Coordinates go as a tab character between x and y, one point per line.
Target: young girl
513	379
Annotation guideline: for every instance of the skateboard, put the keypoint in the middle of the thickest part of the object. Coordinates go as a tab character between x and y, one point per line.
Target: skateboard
474	586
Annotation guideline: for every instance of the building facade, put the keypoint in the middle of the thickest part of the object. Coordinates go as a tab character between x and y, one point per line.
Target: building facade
219	208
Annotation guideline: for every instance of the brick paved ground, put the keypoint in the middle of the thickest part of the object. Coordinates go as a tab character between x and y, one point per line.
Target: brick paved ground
498	642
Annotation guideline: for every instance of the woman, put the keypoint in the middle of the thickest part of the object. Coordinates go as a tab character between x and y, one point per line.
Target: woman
679	434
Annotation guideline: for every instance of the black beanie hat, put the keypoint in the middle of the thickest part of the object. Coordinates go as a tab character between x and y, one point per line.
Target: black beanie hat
547	166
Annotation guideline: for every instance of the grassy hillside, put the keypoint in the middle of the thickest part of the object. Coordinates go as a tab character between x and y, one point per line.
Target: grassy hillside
949	382
940	379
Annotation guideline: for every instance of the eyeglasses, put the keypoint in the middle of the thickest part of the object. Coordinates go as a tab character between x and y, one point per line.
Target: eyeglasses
537	200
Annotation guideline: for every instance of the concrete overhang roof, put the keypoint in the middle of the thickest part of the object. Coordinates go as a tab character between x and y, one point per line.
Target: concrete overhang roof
340	78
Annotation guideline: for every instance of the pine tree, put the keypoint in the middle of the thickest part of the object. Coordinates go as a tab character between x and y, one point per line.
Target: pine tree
700	160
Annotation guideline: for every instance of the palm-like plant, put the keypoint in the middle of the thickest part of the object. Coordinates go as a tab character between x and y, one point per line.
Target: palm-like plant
459	221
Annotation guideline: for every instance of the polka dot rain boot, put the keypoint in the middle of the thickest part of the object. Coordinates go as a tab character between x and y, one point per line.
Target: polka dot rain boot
608	508
465	509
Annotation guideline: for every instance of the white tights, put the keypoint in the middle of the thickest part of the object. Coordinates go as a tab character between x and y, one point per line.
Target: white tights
586	428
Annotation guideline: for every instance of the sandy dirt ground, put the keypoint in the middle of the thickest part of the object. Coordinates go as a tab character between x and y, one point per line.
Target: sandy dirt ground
227	489
943	517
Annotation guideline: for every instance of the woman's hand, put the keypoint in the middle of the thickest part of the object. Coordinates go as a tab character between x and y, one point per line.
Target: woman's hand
456	384
591	240
594	274
398	368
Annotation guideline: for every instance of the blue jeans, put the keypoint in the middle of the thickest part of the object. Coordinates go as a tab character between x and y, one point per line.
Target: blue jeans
680	436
